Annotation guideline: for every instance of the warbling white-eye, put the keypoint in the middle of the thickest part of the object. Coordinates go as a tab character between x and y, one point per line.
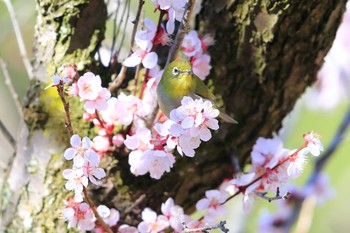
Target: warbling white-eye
178	81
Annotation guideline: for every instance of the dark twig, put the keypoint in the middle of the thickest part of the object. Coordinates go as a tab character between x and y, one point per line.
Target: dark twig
7	135
276	197
220	226
183	29
124	29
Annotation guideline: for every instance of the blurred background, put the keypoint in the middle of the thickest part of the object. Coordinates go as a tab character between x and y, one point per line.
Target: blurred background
320	109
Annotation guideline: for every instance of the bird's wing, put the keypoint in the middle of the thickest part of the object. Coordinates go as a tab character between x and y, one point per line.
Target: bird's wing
202	90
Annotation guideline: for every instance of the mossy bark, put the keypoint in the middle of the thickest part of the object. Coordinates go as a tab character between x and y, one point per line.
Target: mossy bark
266	54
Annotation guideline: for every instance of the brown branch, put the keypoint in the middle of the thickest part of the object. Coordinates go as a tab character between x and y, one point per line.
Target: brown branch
93	207
183	29
60	90
136	203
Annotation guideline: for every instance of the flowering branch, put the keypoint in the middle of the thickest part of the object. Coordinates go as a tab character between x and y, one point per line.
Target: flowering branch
60	89
319	165
220	226
183	29
93	207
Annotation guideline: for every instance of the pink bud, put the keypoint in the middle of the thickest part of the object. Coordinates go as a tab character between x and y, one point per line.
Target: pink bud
118	139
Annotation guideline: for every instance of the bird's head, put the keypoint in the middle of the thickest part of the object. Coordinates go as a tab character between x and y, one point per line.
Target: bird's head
178	79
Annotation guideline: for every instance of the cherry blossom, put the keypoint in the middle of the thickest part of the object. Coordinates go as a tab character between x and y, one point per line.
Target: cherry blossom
81	151
175	214
89	86
79	215
109	216
151	222
76	181
191	44
69	71
127	229
212	204
313	143
175	10
201	65
100	103
93	172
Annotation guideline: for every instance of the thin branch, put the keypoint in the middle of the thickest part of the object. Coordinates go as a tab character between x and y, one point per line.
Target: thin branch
11	88
60	90
7	135
183	29
22	48
220	226
93	207
114	85
276	197
124	29
115	32
136	203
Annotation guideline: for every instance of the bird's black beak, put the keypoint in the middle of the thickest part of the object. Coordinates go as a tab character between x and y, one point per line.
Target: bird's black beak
189	72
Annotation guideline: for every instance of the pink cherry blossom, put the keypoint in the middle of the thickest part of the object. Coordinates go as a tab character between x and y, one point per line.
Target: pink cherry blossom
76	181
118	139
157	162
174	213
191	44
109	216
101	144
69	71
100	103
127	229
313	143
175	10
89	86
81	151
201	65
151	222
93	172
212	204
80	216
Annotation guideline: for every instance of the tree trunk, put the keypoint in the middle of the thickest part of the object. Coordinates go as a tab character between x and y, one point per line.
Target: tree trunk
266	54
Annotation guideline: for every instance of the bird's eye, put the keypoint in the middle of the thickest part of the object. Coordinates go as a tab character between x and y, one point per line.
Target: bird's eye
176	71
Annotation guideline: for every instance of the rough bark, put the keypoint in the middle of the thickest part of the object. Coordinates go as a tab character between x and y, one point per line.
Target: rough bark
266	54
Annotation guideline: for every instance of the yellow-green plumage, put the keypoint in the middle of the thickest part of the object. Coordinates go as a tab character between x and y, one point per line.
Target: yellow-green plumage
178	81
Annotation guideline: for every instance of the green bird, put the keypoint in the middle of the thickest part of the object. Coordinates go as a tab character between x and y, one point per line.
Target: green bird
178	81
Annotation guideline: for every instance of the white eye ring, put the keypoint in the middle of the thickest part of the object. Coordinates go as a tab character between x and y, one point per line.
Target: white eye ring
176	71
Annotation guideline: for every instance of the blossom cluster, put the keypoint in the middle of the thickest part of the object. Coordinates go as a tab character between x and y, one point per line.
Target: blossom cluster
189	124
172	216
80	215
194	47
272	166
